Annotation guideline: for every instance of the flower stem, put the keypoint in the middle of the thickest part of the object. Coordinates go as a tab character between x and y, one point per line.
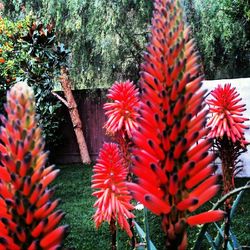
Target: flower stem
112	228
227	227
145	213
130	221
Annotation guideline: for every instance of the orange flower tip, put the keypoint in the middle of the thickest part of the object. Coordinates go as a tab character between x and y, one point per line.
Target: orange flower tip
191	165
136	158
206	217
185	204
13	177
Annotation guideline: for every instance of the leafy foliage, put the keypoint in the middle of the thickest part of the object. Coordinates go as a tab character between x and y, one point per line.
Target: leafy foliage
29	53
106	46
222	31
106	37
12	54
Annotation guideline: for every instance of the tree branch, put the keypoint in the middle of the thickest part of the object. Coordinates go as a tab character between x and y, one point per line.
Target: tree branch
60	98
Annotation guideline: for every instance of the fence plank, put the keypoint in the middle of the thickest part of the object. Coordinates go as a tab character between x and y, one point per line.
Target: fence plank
90	106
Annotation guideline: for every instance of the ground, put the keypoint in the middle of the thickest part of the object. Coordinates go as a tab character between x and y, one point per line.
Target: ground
73	187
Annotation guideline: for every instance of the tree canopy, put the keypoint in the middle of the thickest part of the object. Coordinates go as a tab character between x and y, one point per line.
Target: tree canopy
222	31
106	37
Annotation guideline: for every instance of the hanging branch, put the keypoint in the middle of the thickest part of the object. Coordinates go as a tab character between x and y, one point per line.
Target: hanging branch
60	98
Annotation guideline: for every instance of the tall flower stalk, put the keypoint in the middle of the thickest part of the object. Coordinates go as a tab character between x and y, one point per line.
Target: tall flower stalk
113	198
28	219
171	158
121	111
227	129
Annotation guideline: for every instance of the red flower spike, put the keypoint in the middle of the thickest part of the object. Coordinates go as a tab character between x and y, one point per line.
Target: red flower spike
113	198
226	111
24	179
227	129
170	152
122	112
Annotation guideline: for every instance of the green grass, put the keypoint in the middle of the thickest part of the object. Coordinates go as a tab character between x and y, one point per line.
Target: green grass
73	187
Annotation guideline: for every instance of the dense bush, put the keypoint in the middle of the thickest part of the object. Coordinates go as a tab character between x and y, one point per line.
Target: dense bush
28	52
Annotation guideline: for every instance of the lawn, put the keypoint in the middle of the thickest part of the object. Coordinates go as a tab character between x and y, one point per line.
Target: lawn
73	187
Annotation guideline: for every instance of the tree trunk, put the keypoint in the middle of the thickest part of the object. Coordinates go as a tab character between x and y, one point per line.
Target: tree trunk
74	115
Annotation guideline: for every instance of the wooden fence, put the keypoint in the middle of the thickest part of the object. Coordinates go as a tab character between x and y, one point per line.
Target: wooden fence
90	107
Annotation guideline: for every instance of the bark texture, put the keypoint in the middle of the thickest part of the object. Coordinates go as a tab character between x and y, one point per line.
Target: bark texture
74	115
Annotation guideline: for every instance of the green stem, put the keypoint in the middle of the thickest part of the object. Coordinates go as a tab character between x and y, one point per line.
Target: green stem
145	212
226	196
226	227
130	221
112	228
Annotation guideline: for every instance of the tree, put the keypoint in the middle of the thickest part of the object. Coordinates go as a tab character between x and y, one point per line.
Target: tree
106	38
74	114
222	31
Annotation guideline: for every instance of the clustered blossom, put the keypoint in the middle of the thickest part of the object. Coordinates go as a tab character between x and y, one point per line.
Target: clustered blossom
227	131
28	219
121	112
113	198
171	159
227	115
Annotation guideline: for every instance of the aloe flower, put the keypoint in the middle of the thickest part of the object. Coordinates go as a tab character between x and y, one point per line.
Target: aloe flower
171	159
228	131
113	198
227	118
121	112
28	219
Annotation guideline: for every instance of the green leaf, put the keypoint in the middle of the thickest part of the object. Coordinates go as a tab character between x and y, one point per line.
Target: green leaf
142	235
237	201
235	242
210	241
203	230
219	238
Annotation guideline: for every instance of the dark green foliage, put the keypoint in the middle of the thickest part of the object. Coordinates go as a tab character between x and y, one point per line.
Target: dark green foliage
222	32
42	72
106	38
73	187
31	54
